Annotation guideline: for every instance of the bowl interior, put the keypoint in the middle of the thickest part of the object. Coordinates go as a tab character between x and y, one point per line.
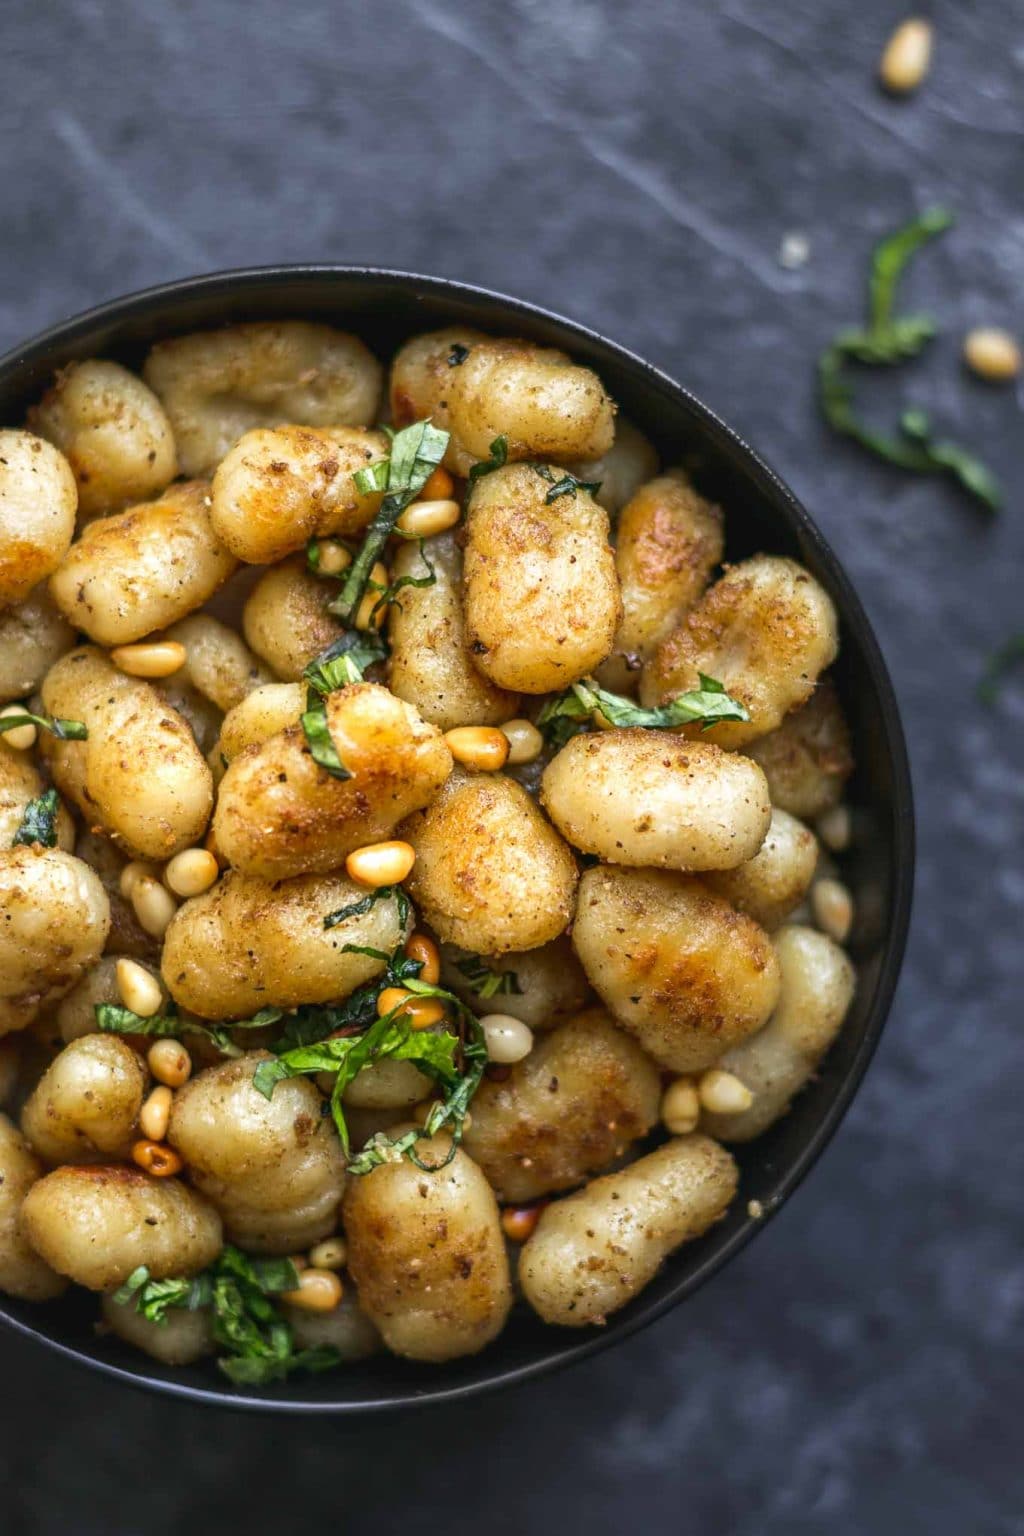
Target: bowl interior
384	308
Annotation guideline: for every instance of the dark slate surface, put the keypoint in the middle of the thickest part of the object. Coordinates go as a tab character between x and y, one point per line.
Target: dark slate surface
858	1369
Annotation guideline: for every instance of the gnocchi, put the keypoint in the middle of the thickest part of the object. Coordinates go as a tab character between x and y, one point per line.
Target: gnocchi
38	502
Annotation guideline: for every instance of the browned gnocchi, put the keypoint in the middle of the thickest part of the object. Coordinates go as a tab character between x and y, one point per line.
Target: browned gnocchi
410	905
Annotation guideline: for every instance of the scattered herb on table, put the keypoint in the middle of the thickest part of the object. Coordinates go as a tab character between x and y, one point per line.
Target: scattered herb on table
999	663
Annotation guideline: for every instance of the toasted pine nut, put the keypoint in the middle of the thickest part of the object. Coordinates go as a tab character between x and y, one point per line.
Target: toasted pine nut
156	1158
421	1012
319	1290
480	748
169	1062
332	1253
334	557
20	737
422	519
154	658
525	742
680	1106
834	828
907	56
990	353
391	997
132	873
419	947
508	1039
832	906
518	1221
156	1113
438	486
140	991
722	1093
381	863
369	615
191	872
153	906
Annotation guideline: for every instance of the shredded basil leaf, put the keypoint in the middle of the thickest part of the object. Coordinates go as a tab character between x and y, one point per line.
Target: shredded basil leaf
458	354
389	594
888	339
321	744
358	908
344	661
64	730
497	460
568	485
112	1018
486	983
416	452
1008	655
39	822
258	1343
568	713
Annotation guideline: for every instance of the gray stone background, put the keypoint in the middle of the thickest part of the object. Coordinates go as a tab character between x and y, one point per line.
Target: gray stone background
858	1369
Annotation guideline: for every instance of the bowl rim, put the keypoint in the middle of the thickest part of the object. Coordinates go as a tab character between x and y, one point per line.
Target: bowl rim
760	473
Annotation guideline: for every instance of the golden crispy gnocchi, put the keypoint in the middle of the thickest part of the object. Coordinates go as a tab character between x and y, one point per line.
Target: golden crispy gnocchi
216	385
808	759
479	388
85	1107
575	1104
143	569
33	635
22	1272
431	666
644	797
775	881
491	875
273	1168
285	619
278	487
180	1339
112	430
677	966
268	710
766	631
817	989
668	542
218	663
54	919
542	596
596	1250
96	1224
539	986
38	501
426	1251
249	944
140	774
279	813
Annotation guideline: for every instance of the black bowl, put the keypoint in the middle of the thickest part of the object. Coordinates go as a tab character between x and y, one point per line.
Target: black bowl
762	513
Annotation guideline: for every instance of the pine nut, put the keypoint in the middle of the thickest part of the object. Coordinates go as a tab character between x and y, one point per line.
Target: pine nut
525	742
480	748
832	906
518	1221
157	658
380	864
191	872
907	56
156	1158
332	1253
422	519
438	486
421	1012
369	615
20	737
132	873
834	828
334	557
991	353
319	1290
419	947
140	991
508	1039
155	1114
153	906
722	1093
169	1062
680	1106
